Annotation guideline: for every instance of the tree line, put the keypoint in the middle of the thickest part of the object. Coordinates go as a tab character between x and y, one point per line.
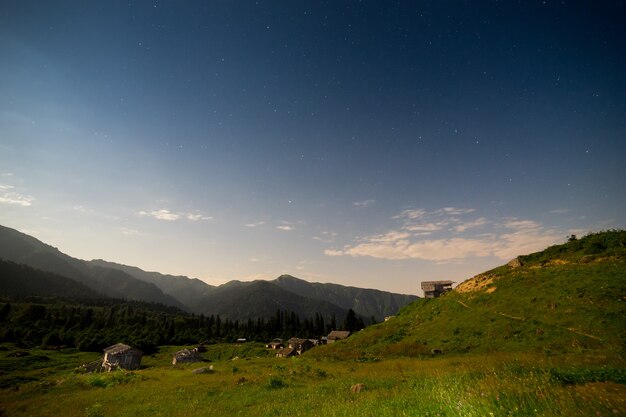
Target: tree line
92	328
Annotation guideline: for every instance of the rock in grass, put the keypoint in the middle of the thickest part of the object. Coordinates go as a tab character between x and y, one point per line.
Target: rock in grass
204	370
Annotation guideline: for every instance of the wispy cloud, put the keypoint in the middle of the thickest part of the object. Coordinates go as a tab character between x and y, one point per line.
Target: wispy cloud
457	211
252	225
364	203
8	195
194	217
128	232
505	239
411	214
167	215
462	227
285	227
326	236
559	211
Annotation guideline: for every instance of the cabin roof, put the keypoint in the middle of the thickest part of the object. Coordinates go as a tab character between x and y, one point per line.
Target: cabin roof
437	283
120	348
338	334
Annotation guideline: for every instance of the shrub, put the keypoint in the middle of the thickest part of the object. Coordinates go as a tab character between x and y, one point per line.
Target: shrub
276	383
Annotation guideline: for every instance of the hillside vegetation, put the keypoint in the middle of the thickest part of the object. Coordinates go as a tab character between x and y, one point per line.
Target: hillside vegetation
569	298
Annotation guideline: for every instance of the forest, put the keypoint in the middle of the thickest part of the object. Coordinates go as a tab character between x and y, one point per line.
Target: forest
56	325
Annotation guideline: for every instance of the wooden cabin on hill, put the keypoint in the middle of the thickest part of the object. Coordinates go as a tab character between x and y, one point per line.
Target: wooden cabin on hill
277	343
121	356
295	346
337	335
434	289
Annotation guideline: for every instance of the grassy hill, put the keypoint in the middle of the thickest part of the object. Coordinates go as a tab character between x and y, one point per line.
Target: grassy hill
569	298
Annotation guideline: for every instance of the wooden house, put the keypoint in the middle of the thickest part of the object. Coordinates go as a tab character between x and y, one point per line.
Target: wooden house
121	356
286	352
300	345
337	335
434	289
276	343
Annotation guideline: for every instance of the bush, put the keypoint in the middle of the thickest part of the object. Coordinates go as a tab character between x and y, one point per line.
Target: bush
276	383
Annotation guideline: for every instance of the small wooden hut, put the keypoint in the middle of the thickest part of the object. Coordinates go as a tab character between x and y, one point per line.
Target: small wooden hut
434	289
337	335
121	356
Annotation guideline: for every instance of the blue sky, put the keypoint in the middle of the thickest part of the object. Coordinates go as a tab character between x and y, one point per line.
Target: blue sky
373	144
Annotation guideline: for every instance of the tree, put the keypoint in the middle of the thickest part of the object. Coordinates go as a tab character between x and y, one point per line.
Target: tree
351	322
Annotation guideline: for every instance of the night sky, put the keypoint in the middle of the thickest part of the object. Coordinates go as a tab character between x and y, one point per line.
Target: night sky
374	143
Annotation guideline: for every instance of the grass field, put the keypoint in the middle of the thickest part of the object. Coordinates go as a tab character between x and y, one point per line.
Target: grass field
464	385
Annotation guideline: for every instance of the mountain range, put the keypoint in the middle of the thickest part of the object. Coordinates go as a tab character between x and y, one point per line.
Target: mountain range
54	273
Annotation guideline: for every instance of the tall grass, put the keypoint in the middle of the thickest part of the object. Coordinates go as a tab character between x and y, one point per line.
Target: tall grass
461	385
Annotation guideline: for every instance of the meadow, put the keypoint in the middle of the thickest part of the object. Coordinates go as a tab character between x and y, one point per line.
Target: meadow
248	380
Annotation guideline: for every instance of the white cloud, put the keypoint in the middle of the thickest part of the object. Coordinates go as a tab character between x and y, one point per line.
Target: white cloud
167	215
517	224
364	203
8	196
505	240
457	211
285	227
129	232
327	236
195	217
559	211
411	214
470	225
425	227
388	237
162	214
432	250
257	224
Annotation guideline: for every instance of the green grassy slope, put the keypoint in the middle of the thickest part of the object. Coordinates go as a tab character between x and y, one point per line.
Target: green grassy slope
569	298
